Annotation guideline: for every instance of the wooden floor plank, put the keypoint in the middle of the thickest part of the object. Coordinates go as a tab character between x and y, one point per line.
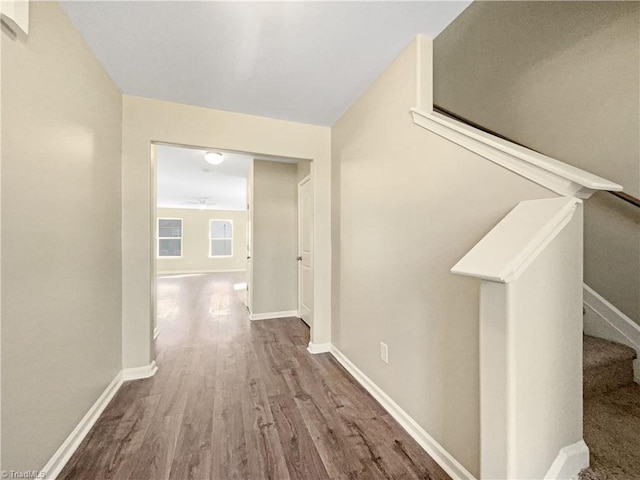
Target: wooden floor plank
156	456
264	449
131	433
303	460
235	399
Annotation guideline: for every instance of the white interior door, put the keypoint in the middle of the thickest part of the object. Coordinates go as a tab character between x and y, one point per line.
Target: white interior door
305	250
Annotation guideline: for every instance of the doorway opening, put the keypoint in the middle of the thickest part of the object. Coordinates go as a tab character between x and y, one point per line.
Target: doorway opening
221	211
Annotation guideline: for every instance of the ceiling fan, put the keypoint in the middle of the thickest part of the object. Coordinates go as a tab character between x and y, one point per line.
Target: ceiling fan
201	202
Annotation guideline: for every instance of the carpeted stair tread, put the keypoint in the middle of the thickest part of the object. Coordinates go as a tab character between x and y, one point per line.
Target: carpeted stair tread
612	430
598	352
587	474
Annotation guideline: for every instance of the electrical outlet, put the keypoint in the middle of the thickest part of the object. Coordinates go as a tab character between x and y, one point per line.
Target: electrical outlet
384	352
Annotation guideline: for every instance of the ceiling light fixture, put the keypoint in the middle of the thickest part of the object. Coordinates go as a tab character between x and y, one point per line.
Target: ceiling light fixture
213	158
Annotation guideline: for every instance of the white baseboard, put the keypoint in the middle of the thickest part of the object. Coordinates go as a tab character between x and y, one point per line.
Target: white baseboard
603	320
318	347
270	315
198	272
138	373
426	441
569	462
59	459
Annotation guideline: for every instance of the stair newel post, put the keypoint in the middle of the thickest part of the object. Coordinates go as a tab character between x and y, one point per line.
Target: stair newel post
530	266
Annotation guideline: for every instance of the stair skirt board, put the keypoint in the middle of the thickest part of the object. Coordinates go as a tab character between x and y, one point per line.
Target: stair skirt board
59	459
443	458
603	320
271	315
569	462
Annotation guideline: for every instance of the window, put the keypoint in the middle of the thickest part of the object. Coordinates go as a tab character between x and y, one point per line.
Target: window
169	237
220	238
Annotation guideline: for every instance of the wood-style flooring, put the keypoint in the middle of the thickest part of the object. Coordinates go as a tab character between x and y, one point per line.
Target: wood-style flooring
234	399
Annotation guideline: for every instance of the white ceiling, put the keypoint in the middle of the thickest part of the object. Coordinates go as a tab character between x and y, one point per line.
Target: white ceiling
184	176
185	180
300	61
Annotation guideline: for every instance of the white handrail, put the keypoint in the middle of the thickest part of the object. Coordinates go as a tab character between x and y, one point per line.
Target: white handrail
553	174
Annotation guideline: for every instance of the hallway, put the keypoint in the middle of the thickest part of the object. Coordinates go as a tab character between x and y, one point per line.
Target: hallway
234	399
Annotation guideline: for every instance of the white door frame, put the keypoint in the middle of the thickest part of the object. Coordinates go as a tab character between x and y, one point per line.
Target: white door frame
147	142
307	179
249	241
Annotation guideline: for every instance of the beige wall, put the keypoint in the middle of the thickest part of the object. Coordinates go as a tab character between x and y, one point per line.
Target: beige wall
3	38
612	251
562	78
275	237
304	169
195	242
407	206
61	295
146	121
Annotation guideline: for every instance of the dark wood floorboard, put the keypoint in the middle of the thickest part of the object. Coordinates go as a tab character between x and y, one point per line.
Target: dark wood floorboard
234	399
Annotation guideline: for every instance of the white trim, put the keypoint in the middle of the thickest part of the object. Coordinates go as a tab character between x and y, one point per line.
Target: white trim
570	460
59	459
617	323
508	249
448	463
15	15
187	272
137	373
603	320
229	238
270	315
553	174
424	72
308	179
316	348
156	333
158	238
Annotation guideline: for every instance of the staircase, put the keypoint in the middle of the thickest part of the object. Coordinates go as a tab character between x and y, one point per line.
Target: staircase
611	411
607	366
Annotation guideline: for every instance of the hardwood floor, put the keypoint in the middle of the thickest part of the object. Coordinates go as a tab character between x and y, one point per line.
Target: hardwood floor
234	399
